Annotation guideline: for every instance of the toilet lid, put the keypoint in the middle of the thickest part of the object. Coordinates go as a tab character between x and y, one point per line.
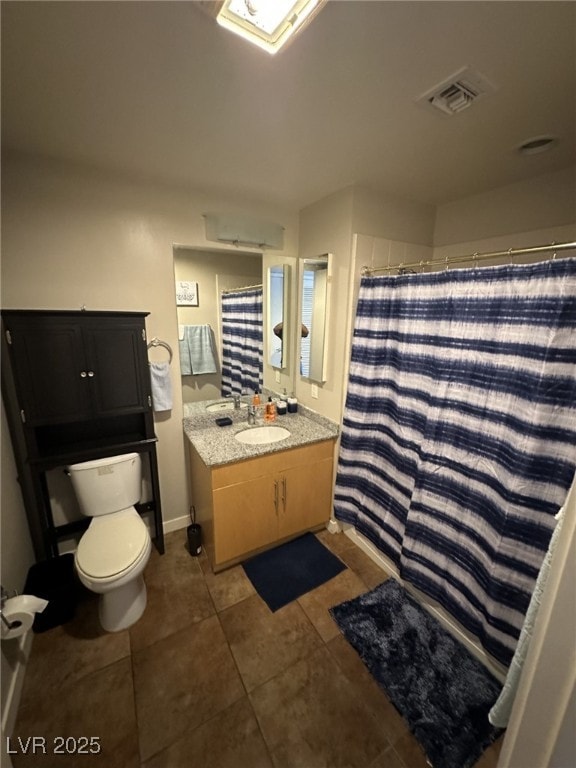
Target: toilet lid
112	544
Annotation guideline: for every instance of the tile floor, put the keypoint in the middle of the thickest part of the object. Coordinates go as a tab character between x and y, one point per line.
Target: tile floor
209	677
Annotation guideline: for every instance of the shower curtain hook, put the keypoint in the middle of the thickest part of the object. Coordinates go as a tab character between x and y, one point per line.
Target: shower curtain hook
554	254
475	256
510	255
446	267
421	265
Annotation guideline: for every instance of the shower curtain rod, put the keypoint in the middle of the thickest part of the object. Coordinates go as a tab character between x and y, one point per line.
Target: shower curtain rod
245	288
511	252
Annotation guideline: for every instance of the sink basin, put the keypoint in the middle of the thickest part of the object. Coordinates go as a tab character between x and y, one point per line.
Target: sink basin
262	435
224	405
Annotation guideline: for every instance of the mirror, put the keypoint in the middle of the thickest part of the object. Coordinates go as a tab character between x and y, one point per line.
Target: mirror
211	271
278	315
315	292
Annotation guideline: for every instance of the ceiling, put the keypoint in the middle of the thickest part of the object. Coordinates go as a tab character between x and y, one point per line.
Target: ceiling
158	89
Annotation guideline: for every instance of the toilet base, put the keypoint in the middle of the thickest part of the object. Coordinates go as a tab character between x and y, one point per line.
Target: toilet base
123	606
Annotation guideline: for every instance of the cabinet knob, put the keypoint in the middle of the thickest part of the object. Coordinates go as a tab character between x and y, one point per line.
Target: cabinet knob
83	374
90	374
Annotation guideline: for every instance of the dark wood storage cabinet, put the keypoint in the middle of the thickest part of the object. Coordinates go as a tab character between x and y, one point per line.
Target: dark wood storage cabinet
76	386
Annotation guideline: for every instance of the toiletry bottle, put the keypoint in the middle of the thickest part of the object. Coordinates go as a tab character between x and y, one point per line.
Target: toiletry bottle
256	398
292	404
282	405
270	414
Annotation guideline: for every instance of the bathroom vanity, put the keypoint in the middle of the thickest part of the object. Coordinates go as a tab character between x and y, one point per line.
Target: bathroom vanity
251	497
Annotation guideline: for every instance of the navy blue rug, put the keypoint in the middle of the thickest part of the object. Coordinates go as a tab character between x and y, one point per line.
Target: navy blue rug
440	689
284	573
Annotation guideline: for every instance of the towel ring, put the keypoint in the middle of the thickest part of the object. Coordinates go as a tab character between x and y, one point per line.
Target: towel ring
155	342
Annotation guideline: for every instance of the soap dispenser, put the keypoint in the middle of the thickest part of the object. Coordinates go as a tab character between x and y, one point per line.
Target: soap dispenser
270	413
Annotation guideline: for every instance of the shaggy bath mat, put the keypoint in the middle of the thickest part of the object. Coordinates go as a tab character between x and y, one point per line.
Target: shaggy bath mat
284	573
440	689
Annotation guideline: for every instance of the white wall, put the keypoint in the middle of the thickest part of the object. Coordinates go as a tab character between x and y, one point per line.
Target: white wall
392	218
328	226
73	237
544	202
565	233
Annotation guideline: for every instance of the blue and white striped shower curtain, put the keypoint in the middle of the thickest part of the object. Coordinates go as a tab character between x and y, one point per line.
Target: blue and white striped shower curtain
242	341
458	443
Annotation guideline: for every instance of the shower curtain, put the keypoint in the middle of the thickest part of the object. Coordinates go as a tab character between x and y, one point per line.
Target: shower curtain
242	341
459	433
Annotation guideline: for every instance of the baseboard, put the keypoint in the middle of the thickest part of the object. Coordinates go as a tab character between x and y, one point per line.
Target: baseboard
176	524
15	683
493	666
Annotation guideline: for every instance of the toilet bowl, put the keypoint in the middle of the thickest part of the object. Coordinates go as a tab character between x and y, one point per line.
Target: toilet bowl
110	561
113	552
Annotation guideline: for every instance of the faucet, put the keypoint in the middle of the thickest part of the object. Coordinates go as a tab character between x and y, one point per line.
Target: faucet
237	400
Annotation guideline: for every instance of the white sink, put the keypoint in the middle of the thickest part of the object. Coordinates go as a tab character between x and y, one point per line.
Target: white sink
262	435
224	405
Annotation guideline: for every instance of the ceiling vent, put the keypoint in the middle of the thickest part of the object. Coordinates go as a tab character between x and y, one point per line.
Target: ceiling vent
457	93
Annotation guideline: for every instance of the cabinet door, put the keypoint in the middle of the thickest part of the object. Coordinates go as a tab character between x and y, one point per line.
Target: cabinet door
118	371
50	370
70	369
245	518
306	496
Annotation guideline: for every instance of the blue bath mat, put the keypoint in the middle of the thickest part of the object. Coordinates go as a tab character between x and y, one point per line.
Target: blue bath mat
284	573
440	689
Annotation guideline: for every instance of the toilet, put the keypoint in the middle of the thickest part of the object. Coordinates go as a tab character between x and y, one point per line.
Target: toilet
113	552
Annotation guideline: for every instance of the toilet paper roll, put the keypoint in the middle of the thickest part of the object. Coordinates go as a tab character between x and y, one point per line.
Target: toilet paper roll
18	614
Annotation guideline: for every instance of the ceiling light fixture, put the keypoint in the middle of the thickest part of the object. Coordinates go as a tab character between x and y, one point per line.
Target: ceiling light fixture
267	23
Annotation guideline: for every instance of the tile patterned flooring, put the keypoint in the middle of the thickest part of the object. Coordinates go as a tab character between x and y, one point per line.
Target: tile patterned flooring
209	677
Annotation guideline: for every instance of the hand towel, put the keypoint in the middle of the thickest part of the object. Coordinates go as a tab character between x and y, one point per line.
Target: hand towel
185	361
161	386
200	341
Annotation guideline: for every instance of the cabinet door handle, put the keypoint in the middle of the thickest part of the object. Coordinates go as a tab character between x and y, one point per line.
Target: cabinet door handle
284	494
90	374
276	495
83	374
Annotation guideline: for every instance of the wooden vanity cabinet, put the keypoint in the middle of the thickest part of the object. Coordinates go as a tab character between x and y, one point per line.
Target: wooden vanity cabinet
248	506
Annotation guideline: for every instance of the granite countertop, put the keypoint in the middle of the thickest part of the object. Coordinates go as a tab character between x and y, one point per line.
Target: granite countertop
216	445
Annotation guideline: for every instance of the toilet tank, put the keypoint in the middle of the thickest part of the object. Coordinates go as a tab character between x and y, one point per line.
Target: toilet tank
107	485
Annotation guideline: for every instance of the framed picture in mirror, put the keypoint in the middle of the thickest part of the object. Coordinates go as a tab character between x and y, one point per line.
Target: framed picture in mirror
186	293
